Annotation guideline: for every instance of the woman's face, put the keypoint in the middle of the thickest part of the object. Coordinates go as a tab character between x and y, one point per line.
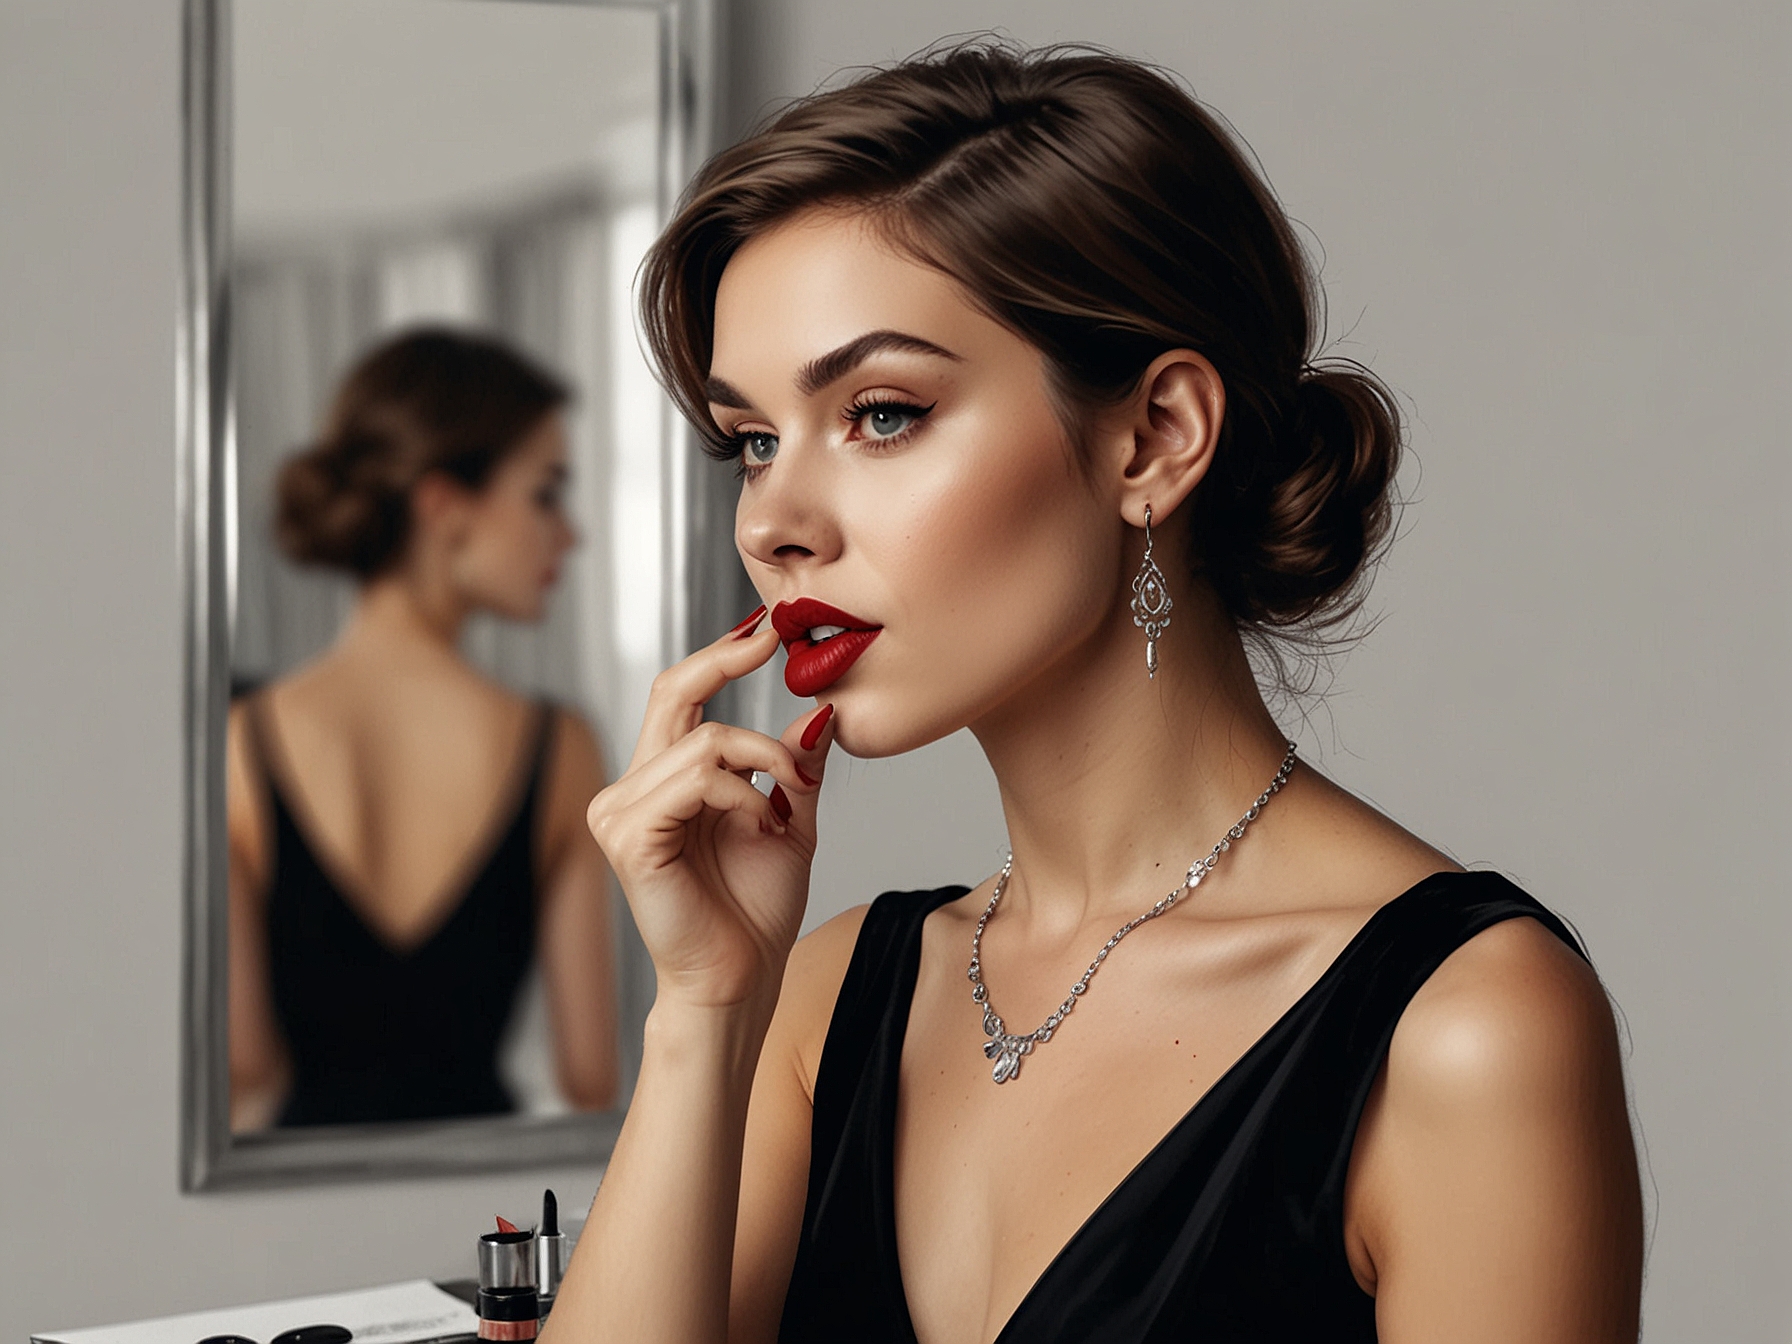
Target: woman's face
515	531
904	465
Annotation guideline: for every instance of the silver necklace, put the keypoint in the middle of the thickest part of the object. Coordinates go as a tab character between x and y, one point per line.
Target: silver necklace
1007	1051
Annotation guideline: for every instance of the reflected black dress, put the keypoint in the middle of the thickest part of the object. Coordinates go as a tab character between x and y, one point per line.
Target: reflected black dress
1231	1230
378	1032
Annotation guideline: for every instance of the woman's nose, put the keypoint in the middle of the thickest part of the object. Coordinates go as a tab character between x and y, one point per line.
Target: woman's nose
786	517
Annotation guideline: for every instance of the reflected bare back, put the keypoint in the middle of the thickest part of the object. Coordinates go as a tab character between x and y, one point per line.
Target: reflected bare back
403	768
399	810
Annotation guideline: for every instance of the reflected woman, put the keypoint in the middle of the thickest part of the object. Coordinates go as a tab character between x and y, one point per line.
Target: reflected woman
404	833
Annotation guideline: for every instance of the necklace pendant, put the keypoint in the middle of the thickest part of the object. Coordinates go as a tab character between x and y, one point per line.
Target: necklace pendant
1007	1064
1007	1052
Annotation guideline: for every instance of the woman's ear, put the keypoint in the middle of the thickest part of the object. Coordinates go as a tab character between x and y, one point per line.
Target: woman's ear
1167	437
441	506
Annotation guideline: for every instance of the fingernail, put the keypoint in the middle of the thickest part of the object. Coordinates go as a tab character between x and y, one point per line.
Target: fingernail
751	624
780	804
812	734
803	775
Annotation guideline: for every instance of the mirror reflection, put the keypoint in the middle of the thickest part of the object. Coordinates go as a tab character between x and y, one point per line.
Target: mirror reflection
404	829
446	573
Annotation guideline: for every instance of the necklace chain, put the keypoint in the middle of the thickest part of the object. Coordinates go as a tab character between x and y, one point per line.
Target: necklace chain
1008	1050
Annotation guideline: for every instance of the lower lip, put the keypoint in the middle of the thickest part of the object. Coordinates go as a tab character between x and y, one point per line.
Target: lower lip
815	667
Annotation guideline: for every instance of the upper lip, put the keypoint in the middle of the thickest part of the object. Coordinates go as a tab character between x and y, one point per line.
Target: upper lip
794	620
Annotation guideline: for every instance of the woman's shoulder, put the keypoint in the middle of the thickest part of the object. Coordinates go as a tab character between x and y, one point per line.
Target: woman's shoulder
826	953
1459	955
1502	1092
821	960
813	976
1513	1008
823	954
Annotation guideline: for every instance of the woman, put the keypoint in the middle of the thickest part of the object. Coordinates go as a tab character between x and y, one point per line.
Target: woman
403	831
1016	353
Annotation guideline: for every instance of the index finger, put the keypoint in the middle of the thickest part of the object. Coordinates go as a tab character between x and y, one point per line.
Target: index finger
675	705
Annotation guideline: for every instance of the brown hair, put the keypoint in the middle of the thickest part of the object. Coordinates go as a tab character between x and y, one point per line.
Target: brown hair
1091	205
429	399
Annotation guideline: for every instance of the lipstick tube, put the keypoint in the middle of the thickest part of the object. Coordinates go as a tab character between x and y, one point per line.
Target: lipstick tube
550	1253
507	1305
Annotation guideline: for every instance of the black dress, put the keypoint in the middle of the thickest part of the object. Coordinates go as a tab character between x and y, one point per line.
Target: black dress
1231	1229
378	1032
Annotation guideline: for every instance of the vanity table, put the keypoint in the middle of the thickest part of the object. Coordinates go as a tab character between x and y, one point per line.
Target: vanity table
399	1313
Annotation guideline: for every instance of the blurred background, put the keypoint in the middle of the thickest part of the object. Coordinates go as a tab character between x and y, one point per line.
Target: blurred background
1557	230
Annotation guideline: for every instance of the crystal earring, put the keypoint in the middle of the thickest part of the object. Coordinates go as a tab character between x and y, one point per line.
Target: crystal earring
1150	602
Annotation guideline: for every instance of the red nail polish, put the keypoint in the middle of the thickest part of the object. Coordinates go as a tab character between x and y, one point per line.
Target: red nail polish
780	804
812	734
748	626
803	775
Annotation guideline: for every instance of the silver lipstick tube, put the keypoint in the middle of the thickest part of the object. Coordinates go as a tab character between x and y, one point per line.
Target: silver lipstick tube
550	1264
507	1260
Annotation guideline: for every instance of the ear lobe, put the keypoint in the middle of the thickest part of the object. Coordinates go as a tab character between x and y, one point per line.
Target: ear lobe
1176	420
439	501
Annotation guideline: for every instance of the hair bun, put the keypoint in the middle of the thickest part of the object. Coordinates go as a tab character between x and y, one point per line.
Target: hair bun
330	510
1322	518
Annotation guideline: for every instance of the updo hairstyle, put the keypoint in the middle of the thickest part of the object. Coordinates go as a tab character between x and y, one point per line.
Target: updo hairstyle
430	399
1092	206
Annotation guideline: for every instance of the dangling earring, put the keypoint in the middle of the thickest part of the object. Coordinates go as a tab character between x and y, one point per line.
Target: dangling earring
1151	602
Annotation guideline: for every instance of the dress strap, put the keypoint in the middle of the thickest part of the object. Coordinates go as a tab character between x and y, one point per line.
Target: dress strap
855	1115
547	714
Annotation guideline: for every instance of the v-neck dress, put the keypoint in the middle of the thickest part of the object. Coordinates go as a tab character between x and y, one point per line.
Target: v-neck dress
1230	1230
378	1032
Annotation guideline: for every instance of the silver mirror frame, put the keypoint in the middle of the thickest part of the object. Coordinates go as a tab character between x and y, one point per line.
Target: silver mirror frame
698	595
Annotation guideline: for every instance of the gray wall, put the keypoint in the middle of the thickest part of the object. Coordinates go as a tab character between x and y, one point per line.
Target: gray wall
1559	231
92	1227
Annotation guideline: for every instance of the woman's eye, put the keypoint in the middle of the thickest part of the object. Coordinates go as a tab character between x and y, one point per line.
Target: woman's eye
886	422
759	449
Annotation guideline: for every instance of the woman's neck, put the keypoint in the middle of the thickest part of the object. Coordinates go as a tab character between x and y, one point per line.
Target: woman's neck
1112	782
399	617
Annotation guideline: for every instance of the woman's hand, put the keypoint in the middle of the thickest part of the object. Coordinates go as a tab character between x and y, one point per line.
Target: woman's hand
716	873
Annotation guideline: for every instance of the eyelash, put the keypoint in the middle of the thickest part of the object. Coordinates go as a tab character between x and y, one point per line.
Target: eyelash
856	411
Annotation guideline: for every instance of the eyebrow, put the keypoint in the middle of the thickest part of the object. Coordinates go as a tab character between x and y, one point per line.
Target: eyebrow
836	364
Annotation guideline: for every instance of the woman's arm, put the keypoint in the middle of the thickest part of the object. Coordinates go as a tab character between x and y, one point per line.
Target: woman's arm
578	958
260	1071
765	1158
716	875
1494	1189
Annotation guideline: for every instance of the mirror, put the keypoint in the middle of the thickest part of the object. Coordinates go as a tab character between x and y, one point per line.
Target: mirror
441	530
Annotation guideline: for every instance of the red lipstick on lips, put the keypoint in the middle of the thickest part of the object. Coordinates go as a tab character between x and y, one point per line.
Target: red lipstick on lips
815	666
